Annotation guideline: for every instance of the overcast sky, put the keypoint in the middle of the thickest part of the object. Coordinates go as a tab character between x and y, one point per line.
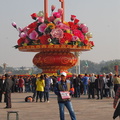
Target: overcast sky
101	16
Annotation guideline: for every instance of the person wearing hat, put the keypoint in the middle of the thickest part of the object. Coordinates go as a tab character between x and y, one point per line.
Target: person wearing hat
7	90
63	91
111	85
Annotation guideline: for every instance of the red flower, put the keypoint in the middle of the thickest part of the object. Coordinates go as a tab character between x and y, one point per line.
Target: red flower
67	36
44	39
91	42
30	30
34	16
76	21
85	42
32	25
62	41
73	17
72	25
78	33
56	14
20	41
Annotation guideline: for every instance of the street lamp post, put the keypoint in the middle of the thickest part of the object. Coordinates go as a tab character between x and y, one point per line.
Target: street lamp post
4	68
78	63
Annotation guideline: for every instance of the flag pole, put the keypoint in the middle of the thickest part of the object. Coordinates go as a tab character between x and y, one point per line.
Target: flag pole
45	9
63	7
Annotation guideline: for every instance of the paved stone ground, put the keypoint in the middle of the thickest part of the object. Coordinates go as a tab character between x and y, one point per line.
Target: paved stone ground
85	109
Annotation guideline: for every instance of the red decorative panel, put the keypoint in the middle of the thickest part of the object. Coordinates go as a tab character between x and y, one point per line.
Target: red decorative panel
52	61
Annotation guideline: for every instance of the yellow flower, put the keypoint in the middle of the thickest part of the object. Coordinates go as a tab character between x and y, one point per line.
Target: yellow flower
24	44
86	38
51	25
66	42
66	23
68	31
51	44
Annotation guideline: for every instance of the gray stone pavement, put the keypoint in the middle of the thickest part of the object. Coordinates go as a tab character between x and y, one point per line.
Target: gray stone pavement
85	109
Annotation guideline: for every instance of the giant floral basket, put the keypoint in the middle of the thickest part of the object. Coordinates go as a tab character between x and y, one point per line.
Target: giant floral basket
54	40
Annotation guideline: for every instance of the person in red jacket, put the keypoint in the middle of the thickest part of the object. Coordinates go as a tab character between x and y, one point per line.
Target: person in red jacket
21	84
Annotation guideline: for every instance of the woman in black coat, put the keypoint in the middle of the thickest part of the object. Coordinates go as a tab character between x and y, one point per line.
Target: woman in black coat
99	84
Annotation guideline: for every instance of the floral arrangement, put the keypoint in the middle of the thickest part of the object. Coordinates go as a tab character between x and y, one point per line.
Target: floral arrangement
53	31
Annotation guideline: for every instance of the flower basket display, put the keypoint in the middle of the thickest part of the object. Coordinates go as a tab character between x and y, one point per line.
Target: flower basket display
54	39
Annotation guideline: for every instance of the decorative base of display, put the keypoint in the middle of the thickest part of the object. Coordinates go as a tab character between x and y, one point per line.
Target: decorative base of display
51	62
39	48
52	58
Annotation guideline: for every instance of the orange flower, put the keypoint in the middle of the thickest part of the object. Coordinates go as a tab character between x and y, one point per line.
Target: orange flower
51	25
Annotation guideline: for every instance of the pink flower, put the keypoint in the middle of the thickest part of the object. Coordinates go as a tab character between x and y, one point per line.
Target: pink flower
25	30
82	25
42	27
22	35
75	38
63	26
33	35
57	33
14	25
20	29
56	15
52	8
41	19
85	29
60	11
51	18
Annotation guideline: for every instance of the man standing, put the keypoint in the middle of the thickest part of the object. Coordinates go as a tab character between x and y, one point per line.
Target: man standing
85	83
91	86
7	90
2	80
62	90
47	88
76	85
111	85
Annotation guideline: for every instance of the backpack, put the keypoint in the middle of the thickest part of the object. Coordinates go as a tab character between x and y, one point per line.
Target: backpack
29	99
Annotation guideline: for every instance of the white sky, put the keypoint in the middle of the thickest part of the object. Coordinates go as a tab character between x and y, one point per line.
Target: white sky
101	16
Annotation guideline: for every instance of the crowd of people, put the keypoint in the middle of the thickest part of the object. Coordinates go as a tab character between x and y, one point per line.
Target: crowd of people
104	85
94	86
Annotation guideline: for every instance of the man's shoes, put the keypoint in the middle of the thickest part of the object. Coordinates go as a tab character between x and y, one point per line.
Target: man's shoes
7	107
